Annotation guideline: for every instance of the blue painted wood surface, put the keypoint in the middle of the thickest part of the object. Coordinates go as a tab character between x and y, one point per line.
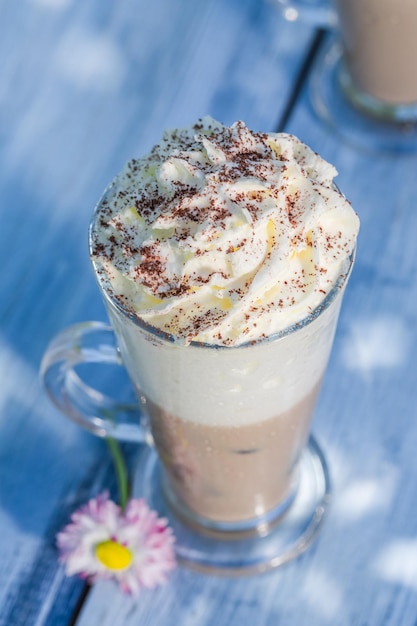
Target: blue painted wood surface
83	87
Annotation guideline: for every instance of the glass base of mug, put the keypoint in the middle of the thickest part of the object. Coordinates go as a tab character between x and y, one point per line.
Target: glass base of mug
250	547
359	119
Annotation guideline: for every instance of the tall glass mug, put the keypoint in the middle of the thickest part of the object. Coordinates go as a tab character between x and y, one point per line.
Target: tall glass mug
364	83
228	457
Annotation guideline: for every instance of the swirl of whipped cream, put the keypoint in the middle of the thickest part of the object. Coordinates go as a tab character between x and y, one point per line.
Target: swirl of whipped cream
222	235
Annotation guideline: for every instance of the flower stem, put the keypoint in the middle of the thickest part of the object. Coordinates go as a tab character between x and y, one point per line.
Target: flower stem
121	472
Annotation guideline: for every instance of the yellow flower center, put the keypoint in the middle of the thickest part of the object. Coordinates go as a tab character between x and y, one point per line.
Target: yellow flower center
113	555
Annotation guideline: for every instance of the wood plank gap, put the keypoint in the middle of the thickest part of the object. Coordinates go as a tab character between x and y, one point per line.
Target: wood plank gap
301	79
80	604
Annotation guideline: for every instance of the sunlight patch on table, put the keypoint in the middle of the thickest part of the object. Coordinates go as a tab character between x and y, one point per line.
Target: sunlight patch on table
361	488
363	497
52	4
22	388
16	375
397	563
291	14
323	594
91	61
377	343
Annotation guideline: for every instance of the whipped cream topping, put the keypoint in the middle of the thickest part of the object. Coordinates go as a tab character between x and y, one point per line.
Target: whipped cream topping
222	235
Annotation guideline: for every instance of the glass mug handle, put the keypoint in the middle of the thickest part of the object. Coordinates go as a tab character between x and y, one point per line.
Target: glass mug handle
89	343
319	13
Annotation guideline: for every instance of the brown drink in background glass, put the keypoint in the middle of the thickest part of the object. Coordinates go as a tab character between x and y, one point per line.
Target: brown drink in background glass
363	83
379	48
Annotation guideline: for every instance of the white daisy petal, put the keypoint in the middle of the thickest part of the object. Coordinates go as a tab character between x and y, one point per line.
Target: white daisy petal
101	542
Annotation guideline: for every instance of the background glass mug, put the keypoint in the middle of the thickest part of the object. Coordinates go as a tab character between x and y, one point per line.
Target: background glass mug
241	485
378	48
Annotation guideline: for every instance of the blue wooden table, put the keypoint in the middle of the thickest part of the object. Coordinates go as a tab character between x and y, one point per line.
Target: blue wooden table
85	86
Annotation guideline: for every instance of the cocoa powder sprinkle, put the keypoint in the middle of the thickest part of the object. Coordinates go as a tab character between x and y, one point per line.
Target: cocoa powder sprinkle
209	222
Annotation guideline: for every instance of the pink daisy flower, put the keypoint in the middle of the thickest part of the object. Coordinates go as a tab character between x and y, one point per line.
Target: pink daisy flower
134	547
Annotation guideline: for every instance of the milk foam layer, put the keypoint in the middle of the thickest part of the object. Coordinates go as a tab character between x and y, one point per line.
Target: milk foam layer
222	235
229	386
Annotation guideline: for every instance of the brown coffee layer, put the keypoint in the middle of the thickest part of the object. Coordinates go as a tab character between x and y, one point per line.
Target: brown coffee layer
232	473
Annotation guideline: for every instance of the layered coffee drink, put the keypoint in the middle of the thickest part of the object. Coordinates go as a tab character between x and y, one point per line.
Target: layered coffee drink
223	255
379	45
